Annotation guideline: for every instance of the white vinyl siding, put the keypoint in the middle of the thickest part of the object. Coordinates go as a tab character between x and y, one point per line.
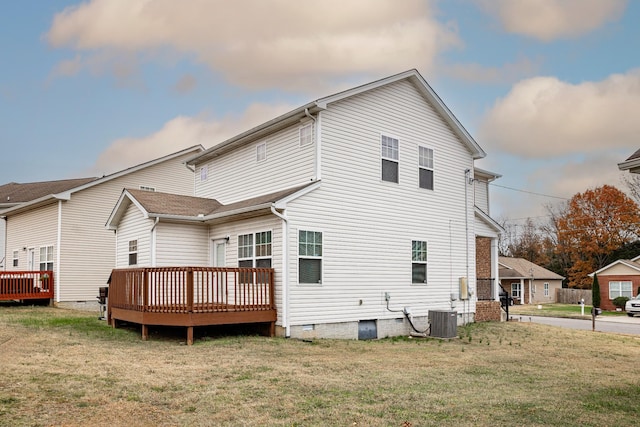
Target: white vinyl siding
134	228
181	245
481	195
620	289
33	229
306	135
289	165
368	227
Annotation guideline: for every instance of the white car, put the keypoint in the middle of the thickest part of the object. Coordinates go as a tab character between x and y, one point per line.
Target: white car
633	306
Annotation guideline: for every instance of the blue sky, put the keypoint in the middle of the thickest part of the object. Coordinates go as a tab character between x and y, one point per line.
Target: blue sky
549	88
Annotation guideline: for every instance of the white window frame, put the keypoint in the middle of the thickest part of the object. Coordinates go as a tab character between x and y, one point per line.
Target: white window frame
261	152
546	289
305	256
418	260
389	154
257	251
426	163
305	135
516	290
132	244
204	172
48	258
621	292
16	258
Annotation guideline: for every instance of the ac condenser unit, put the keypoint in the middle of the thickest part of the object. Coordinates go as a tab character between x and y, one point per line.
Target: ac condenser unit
444	324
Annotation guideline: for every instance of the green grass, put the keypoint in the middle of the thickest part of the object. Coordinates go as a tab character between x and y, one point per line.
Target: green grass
558	310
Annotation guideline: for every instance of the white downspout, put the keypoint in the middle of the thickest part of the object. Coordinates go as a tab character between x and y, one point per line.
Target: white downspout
467	180
58	250
153	242
285	270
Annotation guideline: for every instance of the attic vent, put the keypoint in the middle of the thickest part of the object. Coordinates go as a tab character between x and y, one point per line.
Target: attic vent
145	188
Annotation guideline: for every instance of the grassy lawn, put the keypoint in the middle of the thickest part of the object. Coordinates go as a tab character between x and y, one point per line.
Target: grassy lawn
558	310
61	367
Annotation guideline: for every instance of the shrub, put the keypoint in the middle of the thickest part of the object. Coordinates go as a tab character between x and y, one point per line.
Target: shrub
595	292
620	301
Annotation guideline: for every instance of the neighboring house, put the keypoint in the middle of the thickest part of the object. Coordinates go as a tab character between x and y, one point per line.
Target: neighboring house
632	164
61	227
13	194
351	198
528	283
621	278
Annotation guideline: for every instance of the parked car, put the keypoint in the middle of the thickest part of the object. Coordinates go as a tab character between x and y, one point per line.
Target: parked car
633	306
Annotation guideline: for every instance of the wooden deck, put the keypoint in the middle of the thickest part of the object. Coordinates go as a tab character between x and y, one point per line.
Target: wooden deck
191	296
26	285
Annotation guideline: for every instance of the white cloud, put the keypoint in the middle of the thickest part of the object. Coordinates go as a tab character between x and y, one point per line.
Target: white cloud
179	133
547	20
508	73
544	117
257	44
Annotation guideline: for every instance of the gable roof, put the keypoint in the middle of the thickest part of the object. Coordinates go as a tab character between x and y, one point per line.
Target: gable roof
320	104
198	209
627	262
65	194
492	223
520	268
632	164
15	193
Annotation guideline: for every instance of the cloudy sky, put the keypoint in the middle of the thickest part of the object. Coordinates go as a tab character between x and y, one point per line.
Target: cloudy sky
549	88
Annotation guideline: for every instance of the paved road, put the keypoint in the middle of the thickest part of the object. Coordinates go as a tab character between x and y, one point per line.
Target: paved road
617	324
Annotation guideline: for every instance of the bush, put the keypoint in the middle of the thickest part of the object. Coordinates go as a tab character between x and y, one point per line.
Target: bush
620	301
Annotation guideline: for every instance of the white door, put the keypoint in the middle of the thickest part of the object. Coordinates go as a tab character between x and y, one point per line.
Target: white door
219	253
31	259
220	291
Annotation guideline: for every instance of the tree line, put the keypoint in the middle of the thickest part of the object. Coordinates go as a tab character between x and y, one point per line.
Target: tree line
581	235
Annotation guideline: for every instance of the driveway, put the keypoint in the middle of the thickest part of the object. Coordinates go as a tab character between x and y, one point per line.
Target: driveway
613	324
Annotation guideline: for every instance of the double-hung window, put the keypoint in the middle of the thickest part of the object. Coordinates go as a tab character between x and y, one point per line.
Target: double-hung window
515	290
16	257
418	261
546	289
306	135
46	258
254	250
620	289
389	151
309	256
425	167
133	252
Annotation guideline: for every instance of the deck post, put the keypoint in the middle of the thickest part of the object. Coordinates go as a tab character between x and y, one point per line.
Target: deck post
189	335
145	332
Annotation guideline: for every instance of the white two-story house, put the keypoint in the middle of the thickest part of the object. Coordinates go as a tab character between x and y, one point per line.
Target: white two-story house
362	202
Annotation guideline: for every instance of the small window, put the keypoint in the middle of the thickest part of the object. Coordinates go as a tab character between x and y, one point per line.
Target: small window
16	257
546	289
515	290
133	252
46	258
425	167
389	148
418	261
204	173
145	188
306	135
620	289
261	152
310	256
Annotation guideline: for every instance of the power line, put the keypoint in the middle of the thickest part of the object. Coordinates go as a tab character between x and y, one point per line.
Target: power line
528	192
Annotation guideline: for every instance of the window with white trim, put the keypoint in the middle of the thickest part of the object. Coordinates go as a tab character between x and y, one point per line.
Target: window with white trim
305	135
133	252
546	289
389	152
254	250
309	256
261	152
46	258
204	173
515	290
418	261
425	167
620	289
16	258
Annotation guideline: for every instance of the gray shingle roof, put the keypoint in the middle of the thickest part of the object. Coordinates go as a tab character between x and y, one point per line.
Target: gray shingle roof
635	155
14	192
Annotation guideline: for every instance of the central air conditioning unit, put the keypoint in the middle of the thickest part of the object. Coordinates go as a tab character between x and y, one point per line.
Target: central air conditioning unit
444	324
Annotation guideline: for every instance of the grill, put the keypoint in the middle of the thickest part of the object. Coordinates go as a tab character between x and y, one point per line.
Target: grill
103	294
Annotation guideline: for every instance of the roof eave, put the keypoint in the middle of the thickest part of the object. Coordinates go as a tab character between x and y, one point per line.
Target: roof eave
633	166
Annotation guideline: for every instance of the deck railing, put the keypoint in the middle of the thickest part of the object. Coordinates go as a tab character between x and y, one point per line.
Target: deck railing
192	289
23	285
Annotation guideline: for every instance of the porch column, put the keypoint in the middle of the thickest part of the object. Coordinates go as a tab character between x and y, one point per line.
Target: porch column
495	269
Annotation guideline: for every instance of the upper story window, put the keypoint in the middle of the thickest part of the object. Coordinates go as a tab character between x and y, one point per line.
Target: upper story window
309	256
418	261
261	152
389	152
425	167
204	173
16	257
133	252
306	135
46	258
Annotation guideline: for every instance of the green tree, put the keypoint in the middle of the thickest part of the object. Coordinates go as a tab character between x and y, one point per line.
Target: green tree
595	291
